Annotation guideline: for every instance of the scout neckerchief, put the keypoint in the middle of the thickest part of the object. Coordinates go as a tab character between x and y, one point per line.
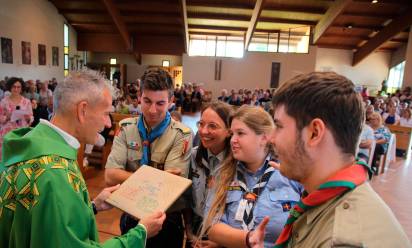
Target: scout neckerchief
147	139
343	181
250	197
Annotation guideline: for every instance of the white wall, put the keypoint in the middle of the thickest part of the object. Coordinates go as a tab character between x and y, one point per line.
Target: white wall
38	22
407	76
398	56
370	72
252	71
134	70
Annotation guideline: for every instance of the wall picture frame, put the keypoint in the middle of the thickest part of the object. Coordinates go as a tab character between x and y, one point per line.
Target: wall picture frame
42	54
6	50
55	56
26	53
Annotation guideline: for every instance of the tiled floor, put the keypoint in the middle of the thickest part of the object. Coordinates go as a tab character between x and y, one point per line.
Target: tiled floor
393	186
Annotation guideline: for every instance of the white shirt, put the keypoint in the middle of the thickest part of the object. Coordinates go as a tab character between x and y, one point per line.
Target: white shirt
70	140
135	110
406	122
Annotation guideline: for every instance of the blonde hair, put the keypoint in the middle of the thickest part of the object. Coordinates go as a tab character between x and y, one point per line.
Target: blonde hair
377	115
260	122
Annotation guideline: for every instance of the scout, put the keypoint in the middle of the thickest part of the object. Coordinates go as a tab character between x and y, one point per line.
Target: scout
152	139
319	117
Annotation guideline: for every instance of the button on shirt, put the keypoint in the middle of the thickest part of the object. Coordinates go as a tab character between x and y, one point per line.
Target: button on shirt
275	201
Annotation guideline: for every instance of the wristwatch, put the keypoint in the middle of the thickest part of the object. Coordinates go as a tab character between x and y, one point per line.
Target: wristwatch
94	208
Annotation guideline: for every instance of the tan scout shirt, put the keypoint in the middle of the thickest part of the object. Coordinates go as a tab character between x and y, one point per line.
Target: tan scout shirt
358	219
171	150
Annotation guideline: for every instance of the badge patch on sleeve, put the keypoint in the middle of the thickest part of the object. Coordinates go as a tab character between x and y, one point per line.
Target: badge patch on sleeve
185	147
287	205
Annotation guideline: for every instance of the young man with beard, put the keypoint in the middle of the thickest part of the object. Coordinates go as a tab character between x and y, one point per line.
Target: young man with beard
319	118
153	139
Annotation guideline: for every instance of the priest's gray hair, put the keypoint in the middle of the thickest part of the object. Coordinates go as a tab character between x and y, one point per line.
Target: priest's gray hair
83	85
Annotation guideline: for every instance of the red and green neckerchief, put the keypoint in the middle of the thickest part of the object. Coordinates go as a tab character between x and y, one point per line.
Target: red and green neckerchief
343	181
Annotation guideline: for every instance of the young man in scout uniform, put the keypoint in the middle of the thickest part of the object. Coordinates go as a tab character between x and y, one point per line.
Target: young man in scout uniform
319	118
44	201
152	139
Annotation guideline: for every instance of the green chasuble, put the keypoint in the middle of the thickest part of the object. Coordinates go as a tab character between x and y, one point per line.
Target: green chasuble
44	201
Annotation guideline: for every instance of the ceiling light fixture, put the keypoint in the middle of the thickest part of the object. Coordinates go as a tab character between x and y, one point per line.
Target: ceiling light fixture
374	1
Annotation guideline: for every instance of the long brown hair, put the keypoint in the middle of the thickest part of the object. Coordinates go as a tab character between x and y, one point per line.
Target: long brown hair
224	111
261	123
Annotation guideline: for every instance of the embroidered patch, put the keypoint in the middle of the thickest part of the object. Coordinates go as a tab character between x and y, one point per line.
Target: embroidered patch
185	146
287	205
133	145
232	188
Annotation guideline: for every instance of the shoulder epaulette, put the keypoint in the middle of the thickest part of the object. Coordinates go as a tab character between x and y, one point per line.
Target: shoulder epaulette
128	121
182	127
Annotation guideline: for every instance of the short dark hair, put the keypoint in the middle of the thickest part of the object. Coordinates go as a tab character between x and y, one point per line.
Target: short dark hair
157	79
11	81
329	97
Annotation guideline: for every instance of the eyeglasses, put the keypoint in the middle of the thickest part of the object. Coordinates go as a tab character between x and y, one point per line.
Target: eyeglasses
212	127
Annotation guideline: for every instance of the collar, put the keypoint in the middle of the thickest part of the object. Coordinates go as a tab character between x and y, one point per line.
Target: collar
220	156
261	169
70	140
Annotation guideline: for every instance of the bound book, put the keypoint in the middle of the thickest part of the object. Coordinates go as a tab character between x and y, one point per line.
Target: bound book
148	190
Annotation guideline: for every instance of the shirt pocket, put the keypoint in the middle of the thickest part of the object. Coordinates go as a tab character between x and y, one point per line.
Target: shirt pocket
283	199
232	203
133	159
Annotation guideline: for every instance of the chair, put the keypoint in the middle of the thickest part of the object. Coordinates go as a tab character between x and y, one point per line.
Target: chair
403	137
389	156
116	118
371	152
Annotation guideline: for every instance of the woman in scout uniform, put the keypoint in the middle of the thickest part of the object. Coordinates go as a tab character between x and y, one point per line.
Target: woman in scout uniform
248	188
206	158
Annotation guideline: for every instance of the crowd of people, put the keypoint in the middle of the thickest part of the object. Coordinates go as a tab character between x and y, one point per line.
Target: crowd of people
272	168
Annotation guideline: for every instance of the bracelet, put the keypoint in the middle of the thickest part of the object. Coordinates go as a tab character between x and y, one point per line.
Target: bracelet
94	208
248	245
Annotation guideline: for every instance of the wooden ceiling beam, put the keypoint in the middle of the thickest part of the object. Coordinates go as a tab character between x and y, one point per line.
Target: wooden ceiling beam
336	46
223	28
253	22
287	21
359	26
388	32
223	4
329	17
195	26
364	14
184	14
83	11
197	15
121	26
91	23
268	6
298	9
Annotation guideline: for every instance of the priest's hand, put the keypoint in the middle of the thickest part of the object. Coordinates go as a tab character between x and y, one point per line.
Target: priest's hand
99	201
153	223
257	236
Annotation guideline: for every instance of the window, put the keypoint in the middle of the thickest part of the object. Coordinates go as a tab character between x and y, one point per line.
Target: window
66	48
211	45
395	77
294	40
113	61
166	63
